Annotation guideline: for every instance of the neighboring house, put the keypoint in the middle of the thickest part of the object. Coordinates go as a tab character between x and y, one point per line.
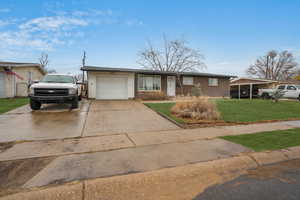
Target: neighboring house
16	77
248	87
122	83
244	87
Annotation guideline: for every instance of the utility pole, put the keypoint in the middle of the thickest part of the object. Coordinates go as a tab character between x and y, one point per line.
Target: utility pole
83	64
83	59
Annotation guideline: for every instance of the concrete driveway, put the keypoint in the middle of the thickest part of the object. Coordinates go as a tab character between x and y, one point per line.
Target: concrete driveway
51	122
92	118
115	117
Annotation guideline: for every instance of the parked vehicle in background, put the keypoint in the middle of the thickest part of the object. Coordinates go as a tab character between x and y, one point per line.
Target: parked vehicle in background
289	91
55	88
244	93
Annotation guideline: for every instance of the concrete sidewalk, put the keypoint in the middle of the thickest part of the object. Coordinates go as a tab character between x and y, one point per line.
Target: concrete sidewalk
178	183
26	165
45	148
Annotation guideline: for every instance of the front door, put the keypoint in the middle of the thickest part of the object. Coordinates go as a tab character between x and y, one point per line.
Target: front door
171	83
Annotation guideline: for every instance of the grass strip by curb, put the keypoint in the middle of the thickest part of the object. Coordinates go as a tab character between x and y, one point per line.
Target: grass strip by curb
271	140
164	110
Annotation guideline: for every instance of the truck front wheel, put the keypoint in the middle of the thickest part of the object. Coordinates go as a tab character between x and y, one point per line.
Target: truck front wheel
265	96
75	103
35	105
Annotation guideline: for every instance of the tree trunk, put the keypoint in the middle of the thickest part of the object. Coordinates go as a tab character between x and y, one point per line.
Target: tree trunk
180	84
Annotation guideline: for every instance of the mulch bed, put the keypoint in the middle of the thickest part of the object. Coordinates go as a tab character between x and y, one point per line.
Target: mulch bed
204	123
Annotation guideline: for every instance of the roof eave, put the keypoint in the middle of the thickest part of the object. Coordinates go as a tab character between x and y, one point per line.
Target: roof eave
95	69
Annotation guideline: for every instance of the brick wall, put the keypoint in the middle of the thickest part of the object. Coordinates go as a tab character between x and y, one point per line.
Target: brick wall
222	90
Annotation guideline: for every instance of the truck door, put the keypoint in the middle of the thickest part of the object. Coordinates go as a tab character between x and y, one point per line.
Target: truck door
291	92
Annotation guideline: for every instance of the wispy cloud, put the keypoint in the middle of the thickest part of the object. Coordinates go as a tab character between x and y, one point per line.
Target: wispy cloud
42	33
52	23
4	10
92	13
4	23
22	39
223	63
133	22
48	32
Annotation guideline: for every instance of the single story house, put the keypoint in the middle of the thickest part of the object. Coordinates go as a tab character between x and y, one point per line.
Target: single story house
123	83
16	77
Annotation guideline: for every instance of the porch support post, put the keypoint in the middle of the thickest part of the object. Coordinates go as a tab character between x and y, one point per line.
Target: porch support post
239	91
251	88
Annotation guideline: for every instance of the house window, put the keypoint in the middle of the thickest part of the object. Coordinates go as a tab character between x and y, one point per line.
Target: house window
213	82
187	80
149	82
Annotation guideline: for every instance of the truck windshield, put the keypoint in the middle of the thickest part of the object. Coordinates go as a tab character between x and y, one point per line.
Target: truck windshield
57	79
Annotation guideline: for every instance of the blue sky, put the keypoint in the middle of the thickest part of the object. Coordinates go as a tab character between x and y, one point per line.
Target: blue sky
231	34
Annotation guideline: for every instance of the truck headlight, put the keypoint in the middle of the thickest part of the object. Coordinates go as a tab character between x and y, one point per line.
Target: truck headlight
72	91
31	91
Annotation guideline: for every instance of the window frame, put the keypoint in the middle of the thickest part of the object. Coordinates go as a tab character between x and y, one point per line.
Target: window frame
281	86
213	85
291	86
187	77
148	75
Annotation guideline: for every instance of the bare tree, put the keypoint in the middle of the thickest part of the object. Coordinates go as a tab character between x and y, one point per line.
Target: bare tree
174	56
274	66
44	62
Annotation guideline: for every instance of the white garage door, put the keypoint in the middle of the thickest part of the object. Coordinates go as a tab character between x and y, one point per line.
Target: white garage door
112	88
2	86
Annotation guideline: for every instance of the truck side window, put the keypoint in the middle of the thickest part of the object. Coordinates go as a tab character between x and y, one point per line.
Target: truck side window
281	87
290	87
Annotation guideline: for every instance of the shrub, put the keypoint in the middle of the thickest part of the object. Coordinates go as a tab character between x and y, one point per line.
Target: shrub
278	94
154	96
196	90
199	109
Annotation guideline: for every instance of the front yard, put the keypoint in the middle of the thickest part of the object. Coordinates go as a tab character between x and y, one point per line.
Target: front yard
271	140
10	104
239	111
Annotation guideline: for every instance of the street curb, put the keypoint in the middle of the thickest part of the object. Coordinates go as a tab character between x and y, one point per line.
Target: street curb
145	185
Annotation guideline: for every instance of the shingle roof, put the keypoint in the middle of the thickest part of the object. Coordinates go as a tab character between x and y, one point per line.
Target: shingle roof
147	71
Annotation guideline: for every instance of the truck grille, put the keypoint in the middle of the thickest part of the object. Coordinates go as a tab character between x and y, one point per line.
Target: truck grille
50	92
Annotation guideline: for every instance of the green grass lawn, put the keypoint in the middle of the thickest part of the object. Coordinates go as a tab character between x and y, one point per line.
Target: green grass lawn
10	104
257	110
244	110
164	108
268	140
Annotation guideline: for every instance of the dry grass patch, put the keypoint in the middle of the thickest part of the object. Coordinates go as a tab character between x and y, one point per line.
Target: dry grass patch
198	109
153	96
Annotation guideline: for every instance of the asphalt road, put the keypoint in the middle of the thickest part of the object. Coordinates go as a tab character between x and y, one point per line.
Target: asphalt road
274	182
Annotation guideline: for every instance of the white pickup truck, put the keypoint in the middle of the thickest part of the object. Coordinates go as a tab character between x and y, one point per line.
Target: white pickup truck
55	88
289	91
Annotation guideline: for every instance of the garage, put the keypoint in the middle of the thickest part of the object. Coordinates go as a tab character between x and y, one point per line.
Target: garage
112	88
2	85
